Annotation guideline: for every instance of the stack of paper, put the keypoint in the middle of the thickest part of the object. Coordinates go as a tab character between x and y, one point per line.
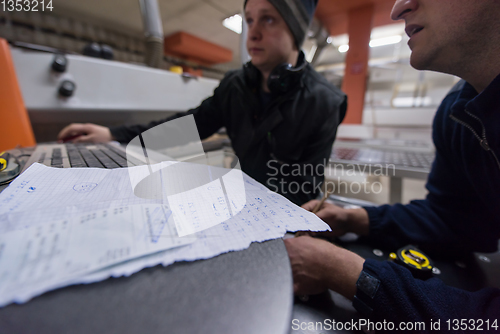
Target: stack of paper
69	226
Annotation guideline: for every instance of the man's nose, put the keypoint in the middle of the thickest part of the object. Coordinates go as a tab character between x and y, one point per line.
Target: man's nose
254	32
403	7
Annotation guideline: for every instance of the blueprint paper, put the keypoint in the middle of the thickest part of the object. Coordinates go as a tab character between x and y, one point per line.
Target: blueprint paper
210	204
235	188
266	216
38	258
43	195
198	195
194	210
81	189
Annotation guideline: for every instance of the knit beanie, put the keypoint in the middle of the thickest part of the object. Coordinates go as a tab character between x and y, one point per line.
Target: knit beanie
297	14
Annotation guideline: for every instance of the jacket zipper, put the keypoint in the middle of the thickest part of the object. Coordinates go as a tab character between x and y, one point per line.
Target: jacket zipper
483	141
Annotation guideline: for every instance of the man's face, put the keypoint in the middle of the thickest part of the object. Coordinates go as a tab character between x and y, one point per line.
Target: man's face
269	41
444	34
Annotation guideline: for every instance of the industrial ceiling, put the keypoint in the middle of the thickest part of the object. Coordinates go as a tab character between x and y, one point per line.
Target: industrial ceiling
203	18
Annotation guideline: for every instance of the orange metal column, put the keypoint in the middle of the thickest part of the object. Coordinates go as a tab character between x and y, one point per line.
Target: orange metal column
356	70
14	121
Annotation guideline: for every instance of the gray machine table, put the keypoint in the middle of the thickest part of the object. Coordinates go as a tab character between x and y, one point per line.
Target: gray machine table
248	291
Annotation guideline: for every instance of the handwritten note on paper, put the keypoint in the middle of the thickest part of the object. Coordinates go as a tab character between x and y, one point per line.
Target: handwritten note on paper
198	209
41	187
202	196
45	198
43	256
266	216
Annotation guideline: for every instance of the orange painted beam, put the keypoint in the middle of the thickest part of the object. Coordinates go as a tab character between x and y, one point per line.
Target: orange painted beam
356	70
15	124
382	15
188	47
334	15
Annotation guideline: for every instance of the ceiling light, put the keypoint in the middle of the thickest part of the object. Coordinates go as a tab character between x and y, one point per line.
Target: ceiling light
376	42
343	48
385	41
234	23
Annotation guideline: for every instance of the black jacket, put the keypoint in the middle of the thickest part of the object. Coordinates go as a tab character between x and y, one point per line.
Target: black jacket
283	146
459	215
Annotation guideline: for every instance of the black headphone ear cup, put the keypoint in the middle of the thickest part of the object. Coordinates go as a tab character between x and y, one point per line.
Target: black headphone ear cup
279	79
284	77
252	75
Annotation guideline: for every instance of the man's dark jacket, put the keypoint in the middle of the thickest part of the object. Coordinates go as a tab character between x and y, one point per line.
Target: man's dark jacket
460	214
283	146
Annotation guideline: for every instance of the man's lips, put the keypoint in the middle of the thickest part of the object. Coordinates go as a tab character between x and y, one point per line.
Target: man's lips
251	50
412	29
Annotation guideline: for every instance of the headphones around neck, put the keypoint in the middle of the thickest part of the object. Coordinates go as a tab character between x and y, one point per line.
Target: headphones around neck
282	78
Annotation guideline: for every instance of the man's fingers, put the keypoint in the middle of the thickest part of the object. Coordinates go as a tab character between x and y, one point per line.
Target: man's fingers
324	214
71	131
309	206
83	139
70	139
304	233
65	132
326	235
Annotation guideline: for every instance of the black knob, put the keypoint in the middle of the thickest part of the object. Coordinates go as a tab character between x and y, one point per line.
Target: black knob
67	88
59	63
106	52
92	50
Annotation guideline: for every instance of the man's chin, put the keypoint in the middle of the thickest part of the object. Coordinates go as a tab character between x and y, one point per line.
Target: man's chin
257	62
418	63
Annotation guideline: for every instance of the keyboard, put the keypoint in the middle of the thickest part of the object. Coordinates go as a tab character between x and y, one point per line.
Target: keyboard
82	156
85	155
96	156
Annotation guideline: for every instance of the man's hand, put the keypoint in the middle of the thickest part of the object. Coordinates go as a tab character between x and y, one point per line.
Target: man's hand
318	265
340	220
85	133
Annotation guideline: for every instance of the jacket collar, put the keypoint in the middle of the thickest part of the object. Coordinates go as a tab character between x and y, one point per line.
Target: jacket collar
485	104
480	111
